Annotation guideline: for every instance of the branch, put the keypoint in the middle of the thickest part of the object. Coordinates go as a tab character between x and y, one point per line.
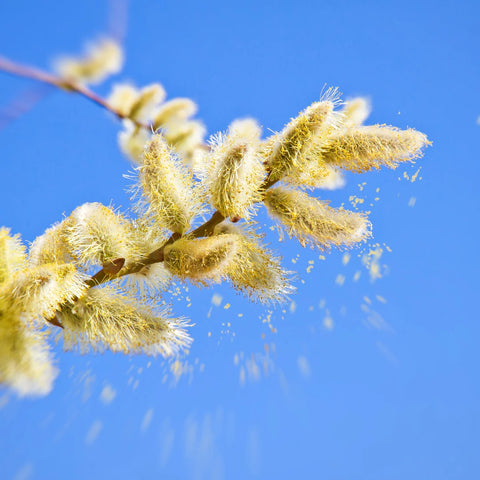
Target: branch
204	230
71	86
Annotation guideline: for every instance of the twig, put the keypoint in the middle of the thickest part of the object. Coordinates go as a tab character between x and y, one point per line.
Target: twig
64	84
204	230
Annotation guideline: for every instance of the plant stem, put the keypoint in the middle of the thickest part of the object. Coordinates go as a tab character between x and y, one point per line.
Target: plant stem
204	230
71	86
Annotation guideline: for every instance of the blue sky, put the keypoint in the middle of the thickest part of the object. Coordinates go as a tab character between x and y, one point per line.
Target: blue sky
391	391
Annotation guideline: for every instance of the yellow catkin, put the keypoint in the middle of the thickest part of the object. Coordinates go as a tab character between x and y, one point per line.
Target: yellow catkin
167	187
287	153
12	254
355	111
136	104
151	278
51	247
147	101
247	128
185	137
106	318
40	291
101	60
313	222
174	111
97	234
235	174
257	272
361	149
315	174
202	261
132	140
25	360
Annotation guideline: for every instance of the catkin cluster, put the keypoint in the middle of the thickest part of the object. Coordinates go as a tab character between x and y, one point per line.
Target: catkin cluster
100	274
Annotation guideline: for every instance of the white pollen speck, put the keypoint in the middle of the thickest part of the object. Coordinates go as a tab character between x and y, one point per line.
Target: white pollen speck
293	307
93	432
304	366
328	322
147	420
217	299
108	394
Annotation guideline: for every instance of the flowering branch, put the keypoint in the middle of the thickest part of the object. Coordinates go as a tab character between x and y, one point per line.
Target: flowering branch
177	173
64	84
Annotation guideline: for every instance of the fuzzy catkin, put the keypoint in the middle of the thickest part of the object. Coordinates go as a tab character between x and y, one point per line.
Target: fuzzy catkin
235	173
51	247
202	261
102	59
25	359
313	222
167	188
136	104
355	111
361	149
40	291
174	111
286	151
12	254
96	234
132	140
152	278
257	272
106	318
185	137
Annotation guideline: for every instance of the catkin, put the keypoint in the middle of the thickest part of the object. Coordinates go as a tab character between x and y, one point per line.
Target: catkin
96	234
202	261
106	318
235	173
313	222
361	149
12	254
287	153
168	193
102	59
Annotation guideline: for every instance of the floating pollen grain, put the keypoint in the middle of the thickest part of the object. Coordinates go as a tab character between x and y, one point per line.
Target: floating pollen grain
361	149
97	234
202	261
101	60
167	187
12	254
109	319
313	222
235	174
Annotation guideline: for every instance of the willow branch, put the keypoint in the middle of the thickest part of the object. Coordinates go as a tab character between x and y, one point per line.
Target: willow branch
38	75
157	256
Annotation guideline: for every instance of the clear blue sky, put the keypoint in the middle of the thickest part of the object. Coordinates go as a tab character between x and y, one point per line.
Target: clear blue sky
391	393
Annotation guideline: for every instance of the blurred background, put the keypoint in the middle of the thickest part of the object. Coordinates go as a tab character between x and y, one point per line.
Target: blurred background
364	374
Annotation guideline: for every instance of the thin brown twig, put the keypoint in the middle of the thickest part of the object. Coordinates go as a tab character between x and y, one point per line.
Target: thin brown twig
64	84
205	230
